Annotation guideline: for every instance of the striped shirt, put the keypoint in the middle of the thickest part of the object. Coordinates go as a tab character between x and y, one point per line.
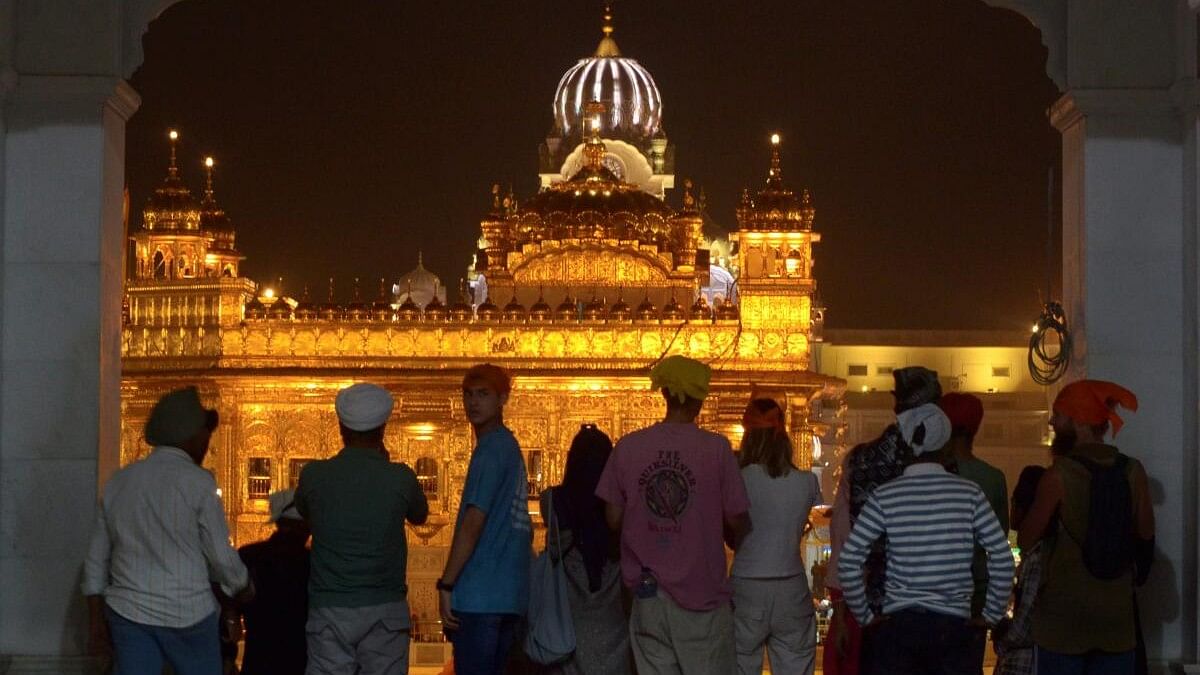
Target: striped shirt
159	541
932	520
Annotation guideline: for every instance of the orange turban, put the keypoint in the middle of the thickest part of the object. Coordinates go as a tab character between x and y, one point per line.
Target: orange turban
756	418
1094	402
965	412
493	376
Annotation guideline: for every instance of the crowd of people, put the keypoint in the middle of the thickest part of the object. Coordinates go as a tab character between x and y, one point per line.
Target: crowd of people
921	570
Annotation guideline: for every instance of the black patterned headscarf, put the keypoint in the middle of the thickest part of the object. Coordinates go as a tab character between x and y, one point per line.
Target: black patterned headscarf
915	386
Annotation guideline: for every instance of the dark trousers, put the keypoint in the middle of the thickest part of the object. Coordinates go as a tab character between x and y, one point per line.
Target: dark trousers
919	642
483	641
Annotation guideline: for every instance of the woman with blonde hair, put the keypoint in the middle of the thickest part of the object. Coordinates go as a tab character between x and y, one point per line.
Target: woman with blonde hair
772	602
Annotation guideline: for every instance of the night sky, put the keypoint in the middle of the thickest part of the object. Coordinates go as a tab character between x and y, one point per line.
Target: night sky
350	136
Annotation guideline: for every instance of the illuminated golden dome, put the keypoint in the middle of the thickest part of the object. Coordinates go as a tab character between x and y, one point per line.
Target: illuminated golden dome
775	207
593	204
172	206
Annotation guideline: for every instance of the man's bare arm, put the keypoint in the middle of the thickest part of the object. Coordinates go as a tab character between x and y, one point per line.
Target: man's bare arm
466	537
736	528
613	515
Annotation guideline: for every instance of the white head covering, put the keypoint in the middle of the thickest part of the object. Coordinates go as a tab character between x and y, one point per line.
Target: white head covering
363	407
283	505
937	427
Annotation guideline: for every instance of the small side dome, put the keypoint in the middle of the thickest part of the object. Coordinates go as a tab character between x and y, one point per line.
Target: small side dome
540	311
381	309
461	309
357	310
672	311
646	311
306	310
435	310
280	310
487	310
700	308
596	310
620	311
727	311
566	311
514	311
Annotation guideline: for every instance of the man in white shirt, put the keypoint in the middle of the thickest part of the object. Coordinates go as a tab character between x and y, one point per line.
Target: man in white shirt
159	543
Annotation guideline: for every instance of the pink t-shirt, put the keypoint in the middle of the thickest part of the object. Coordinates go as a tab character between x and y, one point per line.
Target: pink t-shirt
677	484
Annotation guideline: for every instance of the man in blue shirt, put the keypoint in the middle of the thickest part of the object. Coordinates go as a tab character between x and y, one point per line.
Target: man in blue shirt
484	589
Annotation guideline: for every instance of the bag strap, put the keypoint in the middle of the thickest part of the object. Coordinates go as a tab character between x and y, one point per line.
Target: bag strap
553	526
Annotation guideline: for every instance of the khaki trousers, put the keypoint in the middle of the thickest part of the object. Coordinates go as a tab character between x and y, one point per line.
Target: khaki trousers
670	640
777	613
369	640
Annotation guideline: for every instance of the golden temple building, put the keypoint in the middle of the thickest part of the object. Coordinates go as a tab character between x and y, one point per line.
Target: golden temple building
588	283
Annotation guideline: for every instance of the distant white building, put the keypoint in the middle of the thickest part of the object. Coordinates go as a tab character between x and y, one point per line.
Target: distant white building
989	364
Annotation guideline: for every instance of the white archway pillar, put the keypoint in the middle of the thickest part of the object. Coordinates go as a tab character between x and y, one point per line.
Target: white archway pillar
60	368
1128	247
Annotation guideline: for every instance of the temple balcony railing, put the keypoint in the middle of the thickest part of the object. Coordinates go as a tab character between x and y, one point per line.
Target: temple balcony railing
553	345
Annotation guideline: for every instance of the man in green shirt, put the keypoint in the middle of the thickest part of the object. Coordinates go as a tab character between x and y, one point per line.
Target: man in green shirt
966	415
356	503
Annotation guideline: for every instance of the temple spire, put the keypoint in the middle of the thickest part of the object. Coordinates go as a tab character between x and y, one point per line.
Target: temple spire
608	46
208	180
173	168
775	175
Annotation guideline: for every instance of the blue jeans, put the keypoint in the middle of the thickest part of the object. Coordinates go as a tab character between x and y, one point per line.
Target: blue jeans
140	649
482	642
1046	662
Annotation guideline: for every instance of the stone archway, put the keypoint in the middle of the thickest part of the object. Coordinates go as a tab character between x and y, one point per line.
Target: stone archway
1130	208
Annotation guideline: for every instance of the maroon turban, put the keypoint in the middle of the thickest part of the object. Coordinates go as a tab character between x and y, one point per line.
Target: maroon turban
965	412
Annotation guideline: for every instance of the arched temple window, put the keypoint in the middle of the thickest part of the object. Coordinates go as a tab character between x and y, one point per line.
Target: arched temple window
295	466
427	476
534	472
258	477
160	265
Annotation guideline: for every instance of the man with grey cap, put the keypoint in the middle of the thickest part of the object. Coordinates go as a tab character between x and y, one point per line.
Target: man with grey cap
275	618
356	503
159	543
932	520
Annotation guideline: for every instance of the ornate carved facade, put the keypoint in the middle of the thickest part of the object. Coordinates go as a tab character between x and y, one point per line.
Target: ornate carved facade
590	282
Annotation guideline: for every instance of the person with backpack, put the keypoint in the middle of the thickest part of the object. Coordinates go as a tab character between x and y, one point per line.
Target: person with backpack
1083	621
